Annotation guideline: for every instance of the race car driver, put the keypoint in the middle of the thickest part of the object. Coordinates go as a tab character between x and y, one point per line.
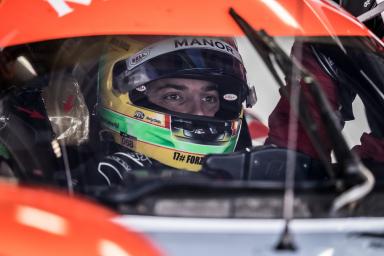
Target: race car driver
169	102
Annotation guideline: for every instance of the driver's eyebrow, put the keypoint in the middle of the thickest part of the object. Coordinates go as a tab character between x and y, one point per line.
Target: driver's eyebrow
210	87
173	86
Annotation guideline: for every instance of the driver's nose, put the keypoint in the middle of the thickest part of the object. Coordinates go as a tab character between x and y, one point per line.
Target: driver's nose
197	109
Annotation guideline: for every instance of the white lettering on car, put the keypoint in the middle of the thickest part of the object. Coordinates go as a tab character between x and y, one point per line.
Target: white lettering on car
62	8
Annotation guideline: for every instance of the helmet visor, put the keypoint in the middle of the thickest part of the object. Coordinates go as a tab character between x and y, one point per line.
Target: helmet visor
206	59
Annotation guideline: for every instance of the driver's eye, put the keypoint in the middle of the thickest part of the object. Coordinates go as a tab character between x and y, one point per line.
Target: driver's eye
172	97
210	99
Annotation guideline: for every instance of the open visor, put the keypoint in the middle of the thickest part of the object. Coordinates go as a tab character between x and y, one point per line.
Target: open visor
207	59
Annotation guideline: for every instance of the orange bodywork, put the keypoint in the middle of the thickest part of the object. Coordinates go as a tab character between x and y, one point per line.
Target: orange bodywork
34	221
35	20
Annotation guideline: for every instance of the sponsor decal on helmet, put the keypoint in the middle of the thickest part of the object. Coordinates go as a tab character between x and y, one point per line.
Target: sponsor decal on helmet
209	43
149	117
141	88
139	115
187	158
175	44
230	97
153	120
139	57
128	141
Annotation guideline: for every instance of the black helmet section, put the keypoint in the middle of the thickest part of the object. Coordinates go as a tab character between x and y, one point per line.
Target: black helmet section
358	8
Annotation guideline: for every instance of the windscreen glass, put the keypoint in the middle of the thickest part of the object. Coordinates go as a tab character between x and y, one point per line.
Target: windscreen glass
99	114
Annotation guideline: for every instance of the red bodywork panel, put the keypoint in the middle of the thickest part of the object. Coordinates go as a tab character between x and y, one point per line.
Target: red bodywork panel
35	221
36	20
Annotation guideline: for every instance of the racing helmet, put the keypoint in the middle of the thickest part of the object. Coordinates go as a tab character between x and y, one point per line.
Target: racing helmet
131	66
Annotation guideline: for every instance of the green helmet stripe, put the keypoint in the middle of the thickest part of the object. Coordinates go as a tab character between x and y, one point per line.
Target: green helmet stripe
161	136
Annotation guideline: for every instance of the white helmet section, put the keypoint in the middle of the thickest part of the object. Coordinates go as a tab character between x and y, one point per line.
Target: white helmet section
175	44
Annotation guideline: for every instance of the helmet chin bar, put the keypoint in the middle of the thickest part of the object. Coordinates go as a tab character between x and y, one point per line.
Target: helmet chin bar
167	141
212	133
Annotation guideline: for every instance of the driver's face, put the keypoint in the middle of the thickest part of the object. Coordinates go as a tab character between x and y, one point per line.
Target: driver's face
190	96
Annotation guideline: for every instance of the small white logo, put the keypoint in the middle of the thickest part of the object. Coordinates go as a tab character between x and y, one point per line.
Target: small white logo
62	8
141	88
139	57
367	3
230	97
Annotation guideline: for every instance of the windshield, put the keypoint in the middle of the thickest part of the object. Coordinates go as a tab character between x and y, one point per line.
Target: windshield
155	120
